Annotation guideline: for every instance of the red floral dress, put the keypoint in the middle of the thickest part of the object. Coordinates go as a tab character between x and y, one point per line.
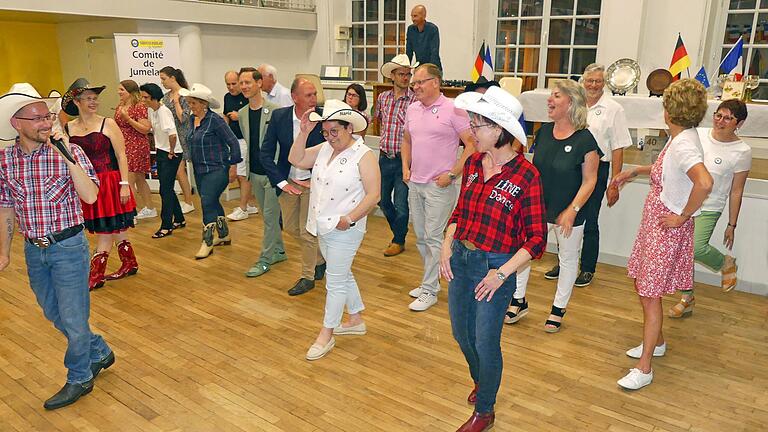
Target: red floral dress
662	258
136	143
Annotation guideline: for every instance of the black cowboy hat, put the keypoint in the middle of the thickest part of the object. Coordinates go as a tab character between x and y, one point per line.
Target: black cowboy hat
481	82
80	85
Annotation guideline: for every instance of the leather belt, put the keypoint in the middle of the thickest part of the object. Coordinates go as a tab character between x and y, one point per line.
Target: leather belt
46	241
390	155
468	244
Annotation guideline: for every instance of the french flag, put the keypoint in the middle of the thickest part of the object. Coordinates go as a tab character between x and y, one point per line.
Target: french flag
732	61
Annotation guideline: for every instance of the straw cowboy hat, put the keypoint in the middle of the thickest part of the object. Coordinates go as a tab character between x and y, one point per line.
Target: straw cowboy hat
399	61
19	96
335	109
80	85
199	91
499	106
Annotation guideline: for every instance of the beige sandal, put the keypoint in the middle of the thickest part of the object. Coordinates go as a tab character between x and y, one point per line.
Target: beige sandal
729	274
683	308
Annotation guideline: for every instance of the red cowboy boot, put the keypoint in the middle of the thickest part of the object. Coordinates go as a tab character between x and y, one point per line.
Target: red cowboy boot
472	398
479	422
98	265
129	265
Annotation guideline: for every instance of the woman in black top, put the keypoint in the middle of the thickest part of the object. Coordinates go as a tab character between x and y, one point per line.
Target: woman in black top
567	156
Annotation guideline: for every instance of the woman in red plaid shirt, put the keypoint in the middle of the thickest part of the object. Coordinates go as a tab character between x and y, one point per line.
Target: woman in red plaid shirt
497	227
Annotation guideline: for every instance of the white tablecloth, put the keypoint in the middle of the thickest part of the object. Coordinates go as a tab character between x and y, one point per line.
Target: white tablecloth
647	113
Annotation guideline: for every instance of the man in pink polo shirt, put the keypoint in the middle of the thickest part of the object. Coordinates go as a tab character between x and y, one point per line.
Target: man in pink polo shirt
434	128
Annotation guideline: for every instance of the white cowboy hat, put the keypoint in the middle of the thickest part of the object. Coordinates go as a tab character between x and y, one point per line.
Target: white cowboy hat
19	96
499	106
335	109
199	91
399	61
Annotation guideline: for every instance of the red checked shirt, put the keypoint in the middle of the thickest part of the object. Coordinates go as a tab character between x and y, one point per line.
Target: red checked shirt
506	212
391	115
39	187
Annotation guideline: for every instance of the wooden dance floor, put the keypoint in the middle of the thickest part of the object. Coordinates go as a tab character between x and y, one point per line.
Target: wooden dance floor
201	348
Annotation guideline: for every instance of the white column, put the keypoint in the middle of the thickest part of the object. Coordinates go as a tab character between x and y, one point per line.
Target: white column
191	50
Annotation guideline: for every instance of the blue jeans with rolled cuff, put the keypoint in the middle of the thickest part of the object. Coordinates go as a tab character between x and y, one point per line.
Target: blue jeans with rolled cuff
58	276
477	325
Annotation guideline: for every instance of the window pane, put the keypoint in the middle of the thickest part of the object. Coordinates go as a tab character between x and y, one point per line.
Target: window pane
760	93
358	75
402	12
586	31
507	33
761	32
562	7
372	34
738	24
357	10
505	60
372	76
390	10
371	10
358	33
530	82
528	60
357	57
588	7
389	53
759	64
532	8
763	4
390	34
582	58
401	40
530	32
557	60
372	58
742	4
560	32
509	8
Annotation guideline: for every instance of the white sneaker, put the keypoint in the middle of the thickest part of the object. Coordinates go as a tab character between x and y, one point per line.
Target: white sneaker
186	207
252	210
146	213
635	379
416	292
637	351
237	215
425	301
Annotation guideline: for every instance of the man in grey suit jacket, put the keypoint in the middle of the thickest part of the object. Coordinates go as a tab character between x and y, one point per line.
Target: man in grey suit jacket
254	119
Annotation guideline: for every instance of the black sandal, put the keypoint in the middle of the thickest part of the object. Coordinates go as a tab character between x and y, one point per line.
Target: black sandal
179	225
522	310
162	233
558	312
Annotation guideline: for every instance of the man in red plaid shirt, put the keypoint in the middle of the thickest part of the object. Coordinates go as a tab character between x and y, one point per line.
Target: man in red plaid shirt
42	185
390	114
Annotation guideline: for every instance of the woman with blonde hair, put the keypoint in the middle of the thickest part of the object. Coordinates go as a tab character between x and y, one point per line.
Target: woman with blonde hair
132	119
567	156
662	257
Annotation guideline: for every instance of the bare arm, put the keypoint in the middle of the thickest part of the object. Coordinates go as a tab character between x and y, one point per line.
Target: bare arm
300	156
588	179
141	125
734	206
617	161
86	189
6	235
702	186
405	155
118	144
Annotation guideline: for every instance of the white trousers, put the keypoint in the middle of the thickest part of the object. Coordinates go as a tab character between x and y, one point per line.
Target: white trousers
339	249
568	252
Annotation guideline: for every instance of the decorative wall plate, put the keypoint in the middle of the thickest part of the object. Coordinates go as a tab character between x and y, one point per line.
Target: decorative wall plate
658	81
622	76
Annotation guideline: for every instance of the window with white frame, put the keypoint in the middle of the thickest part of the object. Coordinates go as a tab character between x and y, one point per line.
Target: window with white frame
378	34
749	19
539	40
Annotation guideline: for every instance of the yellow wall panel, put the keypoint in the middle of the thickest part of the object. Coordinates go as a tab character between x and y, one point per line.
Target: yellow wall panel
29	52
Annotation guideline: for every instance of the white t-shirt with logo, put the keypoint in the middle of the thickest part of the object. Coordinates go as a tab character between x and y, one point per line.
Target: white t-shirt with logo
723	160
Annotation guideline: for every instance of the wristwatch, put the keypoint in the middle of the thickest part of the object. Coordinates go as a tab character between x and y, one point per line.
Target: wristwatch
499	274
576	208
451	175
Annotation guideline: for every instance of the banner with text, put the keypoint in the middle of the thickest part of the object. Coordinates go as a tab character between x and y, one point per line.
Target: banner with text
141	56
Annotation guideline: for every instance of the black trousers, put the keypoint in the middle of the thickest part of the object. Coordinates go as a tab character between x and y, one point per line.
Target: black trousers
166	173
591	243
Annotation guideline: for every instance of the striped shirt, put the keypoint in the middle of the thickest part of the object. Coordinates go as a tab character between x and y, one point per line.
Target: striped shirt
212	144
391	115
39	187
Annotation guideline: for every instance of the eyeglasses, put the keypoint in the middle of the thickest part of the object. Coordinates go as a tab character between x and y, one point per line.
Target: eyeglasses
403	74
353	95
332	132
47	117
722	117
594	81
88	99
421	82
474	127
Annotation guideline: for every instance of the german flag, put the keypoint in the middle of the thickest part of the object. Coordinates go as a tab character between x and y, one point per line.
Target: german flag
477	67
680	59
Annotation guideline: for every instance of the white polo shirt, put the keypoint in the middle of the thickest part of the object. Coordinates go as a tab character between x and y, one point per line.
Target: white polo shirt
163	126
723	160
608	125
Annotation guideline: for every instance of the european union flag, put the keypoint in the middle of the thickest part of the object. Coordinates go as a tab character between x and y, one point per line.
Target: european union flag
702	77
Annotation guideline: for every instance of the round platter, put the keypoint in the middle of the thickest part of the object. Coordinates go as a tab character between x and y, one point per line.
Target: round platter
622	76
658	81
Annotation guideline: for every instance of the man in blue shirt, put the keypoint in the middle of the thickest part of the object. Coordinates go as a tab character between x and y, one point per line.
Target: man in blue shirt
423	38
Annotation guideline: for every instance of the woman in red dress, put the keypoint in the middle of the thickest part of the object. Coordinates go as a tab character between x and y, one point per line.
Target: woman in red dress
132	119
113	212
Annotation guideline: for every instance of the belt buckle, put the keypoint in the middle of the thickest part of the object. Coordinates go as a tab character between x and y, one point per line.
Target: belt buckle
41	242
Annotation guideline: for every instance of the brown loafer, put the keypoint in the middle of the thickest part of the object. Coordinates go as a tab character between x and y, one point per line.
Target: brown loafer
394	249
479	422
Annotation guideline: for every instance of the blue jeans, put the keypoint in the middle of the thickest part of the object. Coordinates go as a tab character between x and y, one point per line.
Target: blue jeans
59	278
476	324
211	185
392	181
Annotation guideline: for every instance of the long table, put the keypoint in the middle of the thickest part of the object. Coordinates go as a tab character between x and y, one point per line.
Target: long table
645	112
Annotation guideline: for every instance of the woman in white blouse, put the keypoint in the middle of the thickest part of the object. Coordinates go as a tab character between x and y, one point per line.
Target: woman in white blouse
345	188
728	159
